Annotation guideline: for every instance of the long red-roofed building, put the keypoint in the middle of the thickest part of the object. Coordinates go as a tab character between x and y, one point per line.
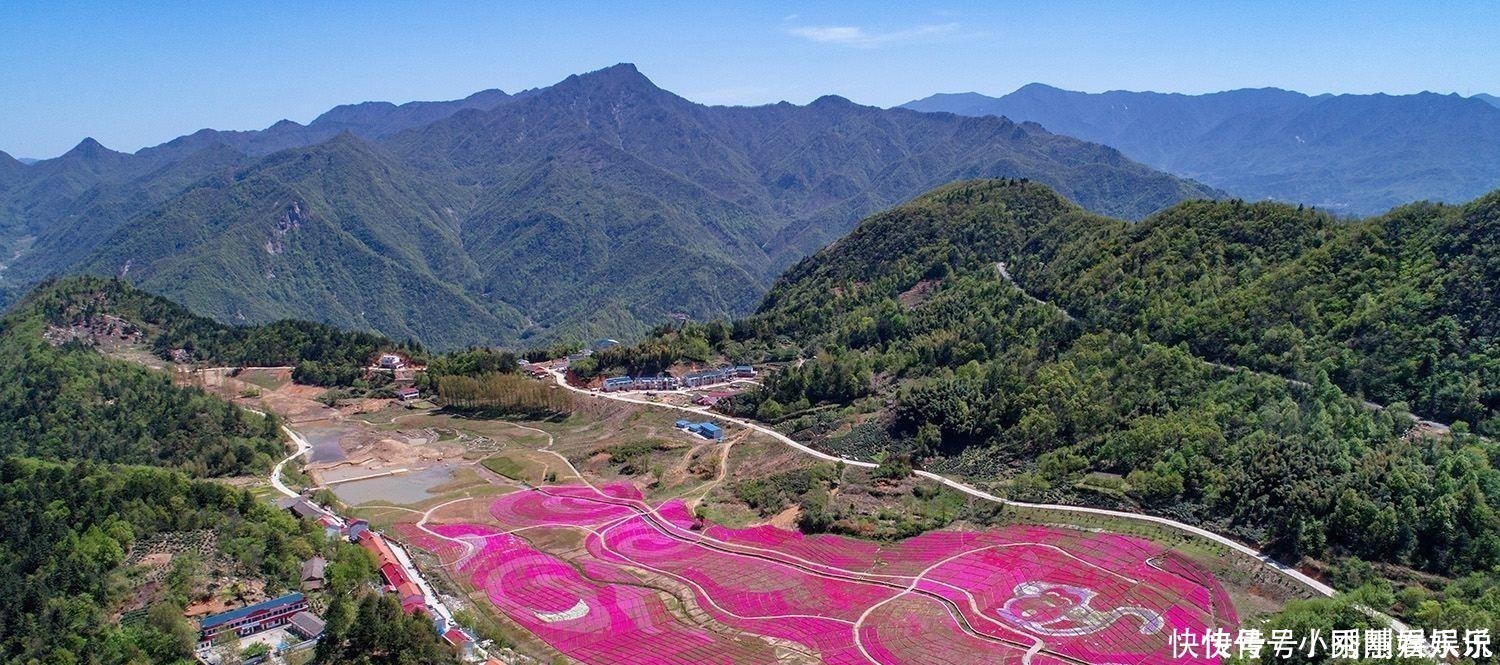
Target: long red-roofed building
412	599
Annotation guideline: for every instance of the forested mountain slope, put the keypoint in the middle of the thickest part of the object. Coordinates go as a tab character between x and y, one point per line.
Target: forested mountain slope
598	206
338	232
1352	154
1396	308
917	344
65	401
105	461
66	570
53	212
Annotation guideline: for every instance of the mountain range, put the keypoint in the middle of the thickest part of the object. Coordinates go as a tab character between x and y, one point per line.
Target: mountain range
597	206
1349	154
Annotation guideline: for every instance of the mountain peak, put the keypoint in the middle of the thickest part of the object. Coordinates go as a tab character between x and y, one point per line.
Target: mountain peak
91	149
829	101
621	75
347	137
1035	88
489	97
619	69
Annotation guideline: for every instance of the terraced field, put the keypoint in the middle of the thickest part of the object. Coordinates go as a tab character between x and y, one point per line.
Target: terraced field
653	584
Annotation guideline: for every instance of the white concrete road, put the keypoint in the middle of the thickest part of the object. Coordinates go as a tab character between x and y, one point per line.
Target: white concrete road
1265	559
1268	561
303	447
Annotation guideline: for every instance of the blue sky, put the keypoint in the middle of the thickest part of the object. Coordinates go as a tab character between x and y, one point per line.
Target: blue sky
133	75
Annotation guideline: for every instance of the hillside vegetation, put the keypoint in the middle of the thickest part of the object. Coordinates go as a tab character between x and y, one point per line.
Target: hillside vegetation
123	459
915	339
64	568
63	400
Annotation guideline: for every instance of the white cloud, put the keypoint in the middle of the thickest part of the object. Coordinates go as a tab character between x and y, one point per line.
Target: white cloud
856	37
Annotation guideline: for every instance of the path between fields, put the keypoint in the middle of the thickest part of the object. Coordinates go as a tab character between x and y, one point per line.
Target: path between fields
1266	560
651	517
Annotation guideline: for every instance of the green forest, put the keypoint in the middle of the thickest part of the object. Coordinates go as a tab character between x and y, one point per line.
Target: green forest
908	323
63	548
100	455
68	402
64	557
1251	368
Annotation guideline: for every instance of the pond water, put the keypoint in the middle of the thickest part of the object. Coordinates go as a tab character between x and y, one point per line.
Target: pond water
404	488
325	443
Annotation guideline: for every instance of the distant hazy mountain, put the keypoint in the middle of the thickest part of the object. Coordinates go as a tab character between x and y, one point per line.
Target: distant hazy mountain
1491	99
597	206
46	196
1348	153
370	120
11	171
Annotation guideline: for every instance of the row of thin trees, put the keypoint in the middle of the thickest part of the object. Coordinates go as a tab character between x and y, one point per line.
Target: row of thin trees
508	393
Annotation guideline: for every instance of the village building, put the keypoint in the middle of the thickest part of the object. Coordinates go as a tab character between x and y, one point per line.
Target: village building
658	382
357	528
391	361
713	398
313	573
705	429
301	508
712	376
408	393
462	643
397	582
251	619
306	625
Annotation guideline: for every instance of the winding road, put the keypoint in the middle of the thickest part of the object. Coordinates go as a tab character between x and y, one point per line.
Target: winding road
1265	559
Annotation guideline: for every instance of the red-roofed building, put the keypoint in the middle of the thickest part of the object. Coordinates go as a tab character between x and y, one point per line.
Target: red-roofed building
395	575
713	398
463	645
411	596
392	573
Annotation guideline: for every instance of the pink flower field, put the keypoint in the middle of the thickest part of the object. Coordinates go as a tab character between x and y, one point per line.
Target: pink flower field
1023	594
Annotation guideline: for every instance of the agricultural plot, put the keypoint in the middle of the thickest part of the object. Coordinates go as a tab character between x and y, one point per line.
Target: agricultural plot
1020	594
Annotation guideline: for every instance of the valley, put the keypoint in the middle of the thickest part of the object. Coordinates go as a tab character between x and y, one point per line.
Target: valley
929	442
482	518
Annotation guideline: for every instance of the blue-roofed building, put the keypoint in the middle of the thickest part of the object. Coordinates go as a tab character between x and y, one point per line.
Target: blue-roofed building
251	619
744	371
683	424
707	431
